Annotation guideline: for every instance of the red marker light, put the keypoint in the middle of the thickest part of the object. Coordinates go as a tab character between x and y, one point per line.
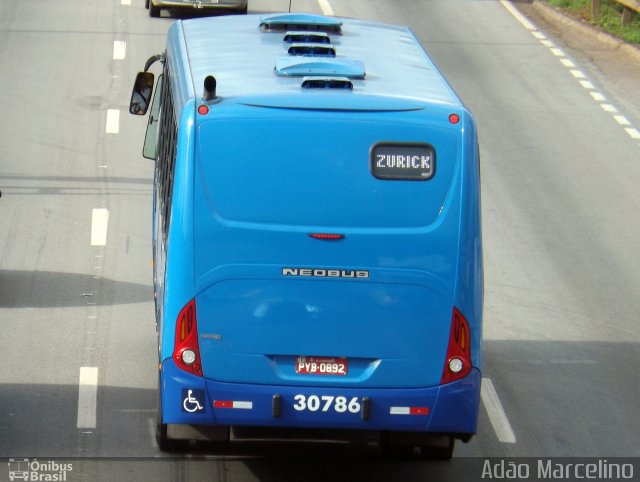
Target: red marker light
454	118
326	236
203	110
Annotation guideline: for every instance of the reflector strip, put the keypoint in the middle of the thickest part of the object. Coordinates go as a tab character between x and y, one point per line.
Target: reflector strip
233	404
409	411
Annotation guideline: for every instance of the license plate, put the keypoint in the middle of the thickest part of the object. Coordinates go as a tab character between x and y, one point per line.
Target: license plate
308	365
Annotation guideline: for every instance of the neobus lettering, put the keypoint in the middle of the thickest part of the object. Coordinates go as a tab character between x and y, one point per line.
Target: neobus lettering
325	273
403	162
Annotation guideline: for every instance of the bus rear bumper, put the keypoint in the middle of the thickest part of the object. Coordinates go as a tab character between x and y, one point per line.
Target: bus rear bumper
192	400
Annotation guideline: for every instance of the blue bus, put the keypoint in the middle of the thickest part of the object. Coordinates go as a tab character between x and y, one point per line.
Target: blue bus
316	235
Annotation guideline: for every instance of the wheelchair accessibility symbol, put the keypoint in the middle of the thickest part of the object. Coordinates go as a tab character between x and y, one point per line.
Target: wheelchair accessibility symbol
192	400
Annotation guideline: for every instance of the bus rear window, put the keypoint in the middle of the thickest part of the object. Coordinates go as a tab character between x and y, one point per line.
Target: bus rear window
326	172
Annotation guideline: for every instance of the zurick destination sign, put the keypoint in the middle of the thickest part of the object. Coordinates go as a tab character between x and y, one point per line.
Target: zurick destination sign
409	162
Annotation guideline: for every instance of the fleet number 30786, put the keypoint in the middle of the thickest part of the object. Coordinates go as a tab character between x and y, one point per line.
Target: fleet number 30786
325	403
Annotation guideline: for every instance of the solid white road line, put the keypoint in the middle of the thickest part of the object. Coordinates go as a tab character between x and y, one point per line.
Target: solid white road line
99	225
87	397
113	121
497	415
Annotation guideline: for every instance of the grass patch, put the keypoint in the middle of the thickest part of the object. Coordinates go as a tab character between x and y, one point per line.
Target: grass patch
610	19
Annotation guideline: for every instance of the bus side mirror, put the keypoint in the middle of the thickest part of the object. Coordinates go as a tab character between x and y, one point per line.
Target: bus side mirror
141	95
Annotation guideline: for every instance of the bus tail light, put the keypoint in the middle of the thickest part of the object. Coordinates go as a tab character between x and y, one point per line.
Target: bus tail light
458	361
186	353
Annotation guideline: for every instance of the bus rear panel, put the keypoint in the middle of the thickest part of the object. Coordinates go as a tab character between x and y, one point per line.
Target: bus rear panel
321	264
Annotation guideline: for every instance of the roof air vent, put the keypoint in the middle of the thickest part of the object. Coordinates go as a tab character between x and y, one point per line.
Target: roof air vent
319	66
327	83
300	21
312	50
307	37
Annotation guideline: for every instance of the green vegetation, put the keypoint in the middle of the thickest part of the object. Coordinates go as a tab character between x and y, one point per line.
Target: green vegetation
610	19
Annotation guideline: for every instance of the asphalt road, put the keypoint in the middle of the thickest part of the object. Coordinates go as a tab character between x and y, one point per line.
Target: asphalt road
560	146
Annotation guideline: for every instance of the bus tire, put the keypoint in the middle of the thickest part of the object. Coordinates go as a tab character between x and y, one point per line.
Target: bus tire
165	444
161	436
439	448
394	450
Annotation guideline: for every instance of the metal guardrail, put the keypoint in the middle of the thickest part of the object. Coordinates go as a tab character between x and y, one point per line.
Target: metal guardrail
629	6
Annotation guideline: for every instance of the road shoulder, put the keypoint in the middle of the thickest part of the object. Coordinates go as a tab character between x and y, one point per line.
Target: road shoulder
615	64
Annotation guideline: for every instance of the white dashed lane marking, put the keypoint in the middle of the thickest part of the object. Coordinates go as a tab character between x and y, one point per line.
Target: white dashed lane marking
497	415
622	120
119	50
99	225
113	121
633	133
325	6
87	397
